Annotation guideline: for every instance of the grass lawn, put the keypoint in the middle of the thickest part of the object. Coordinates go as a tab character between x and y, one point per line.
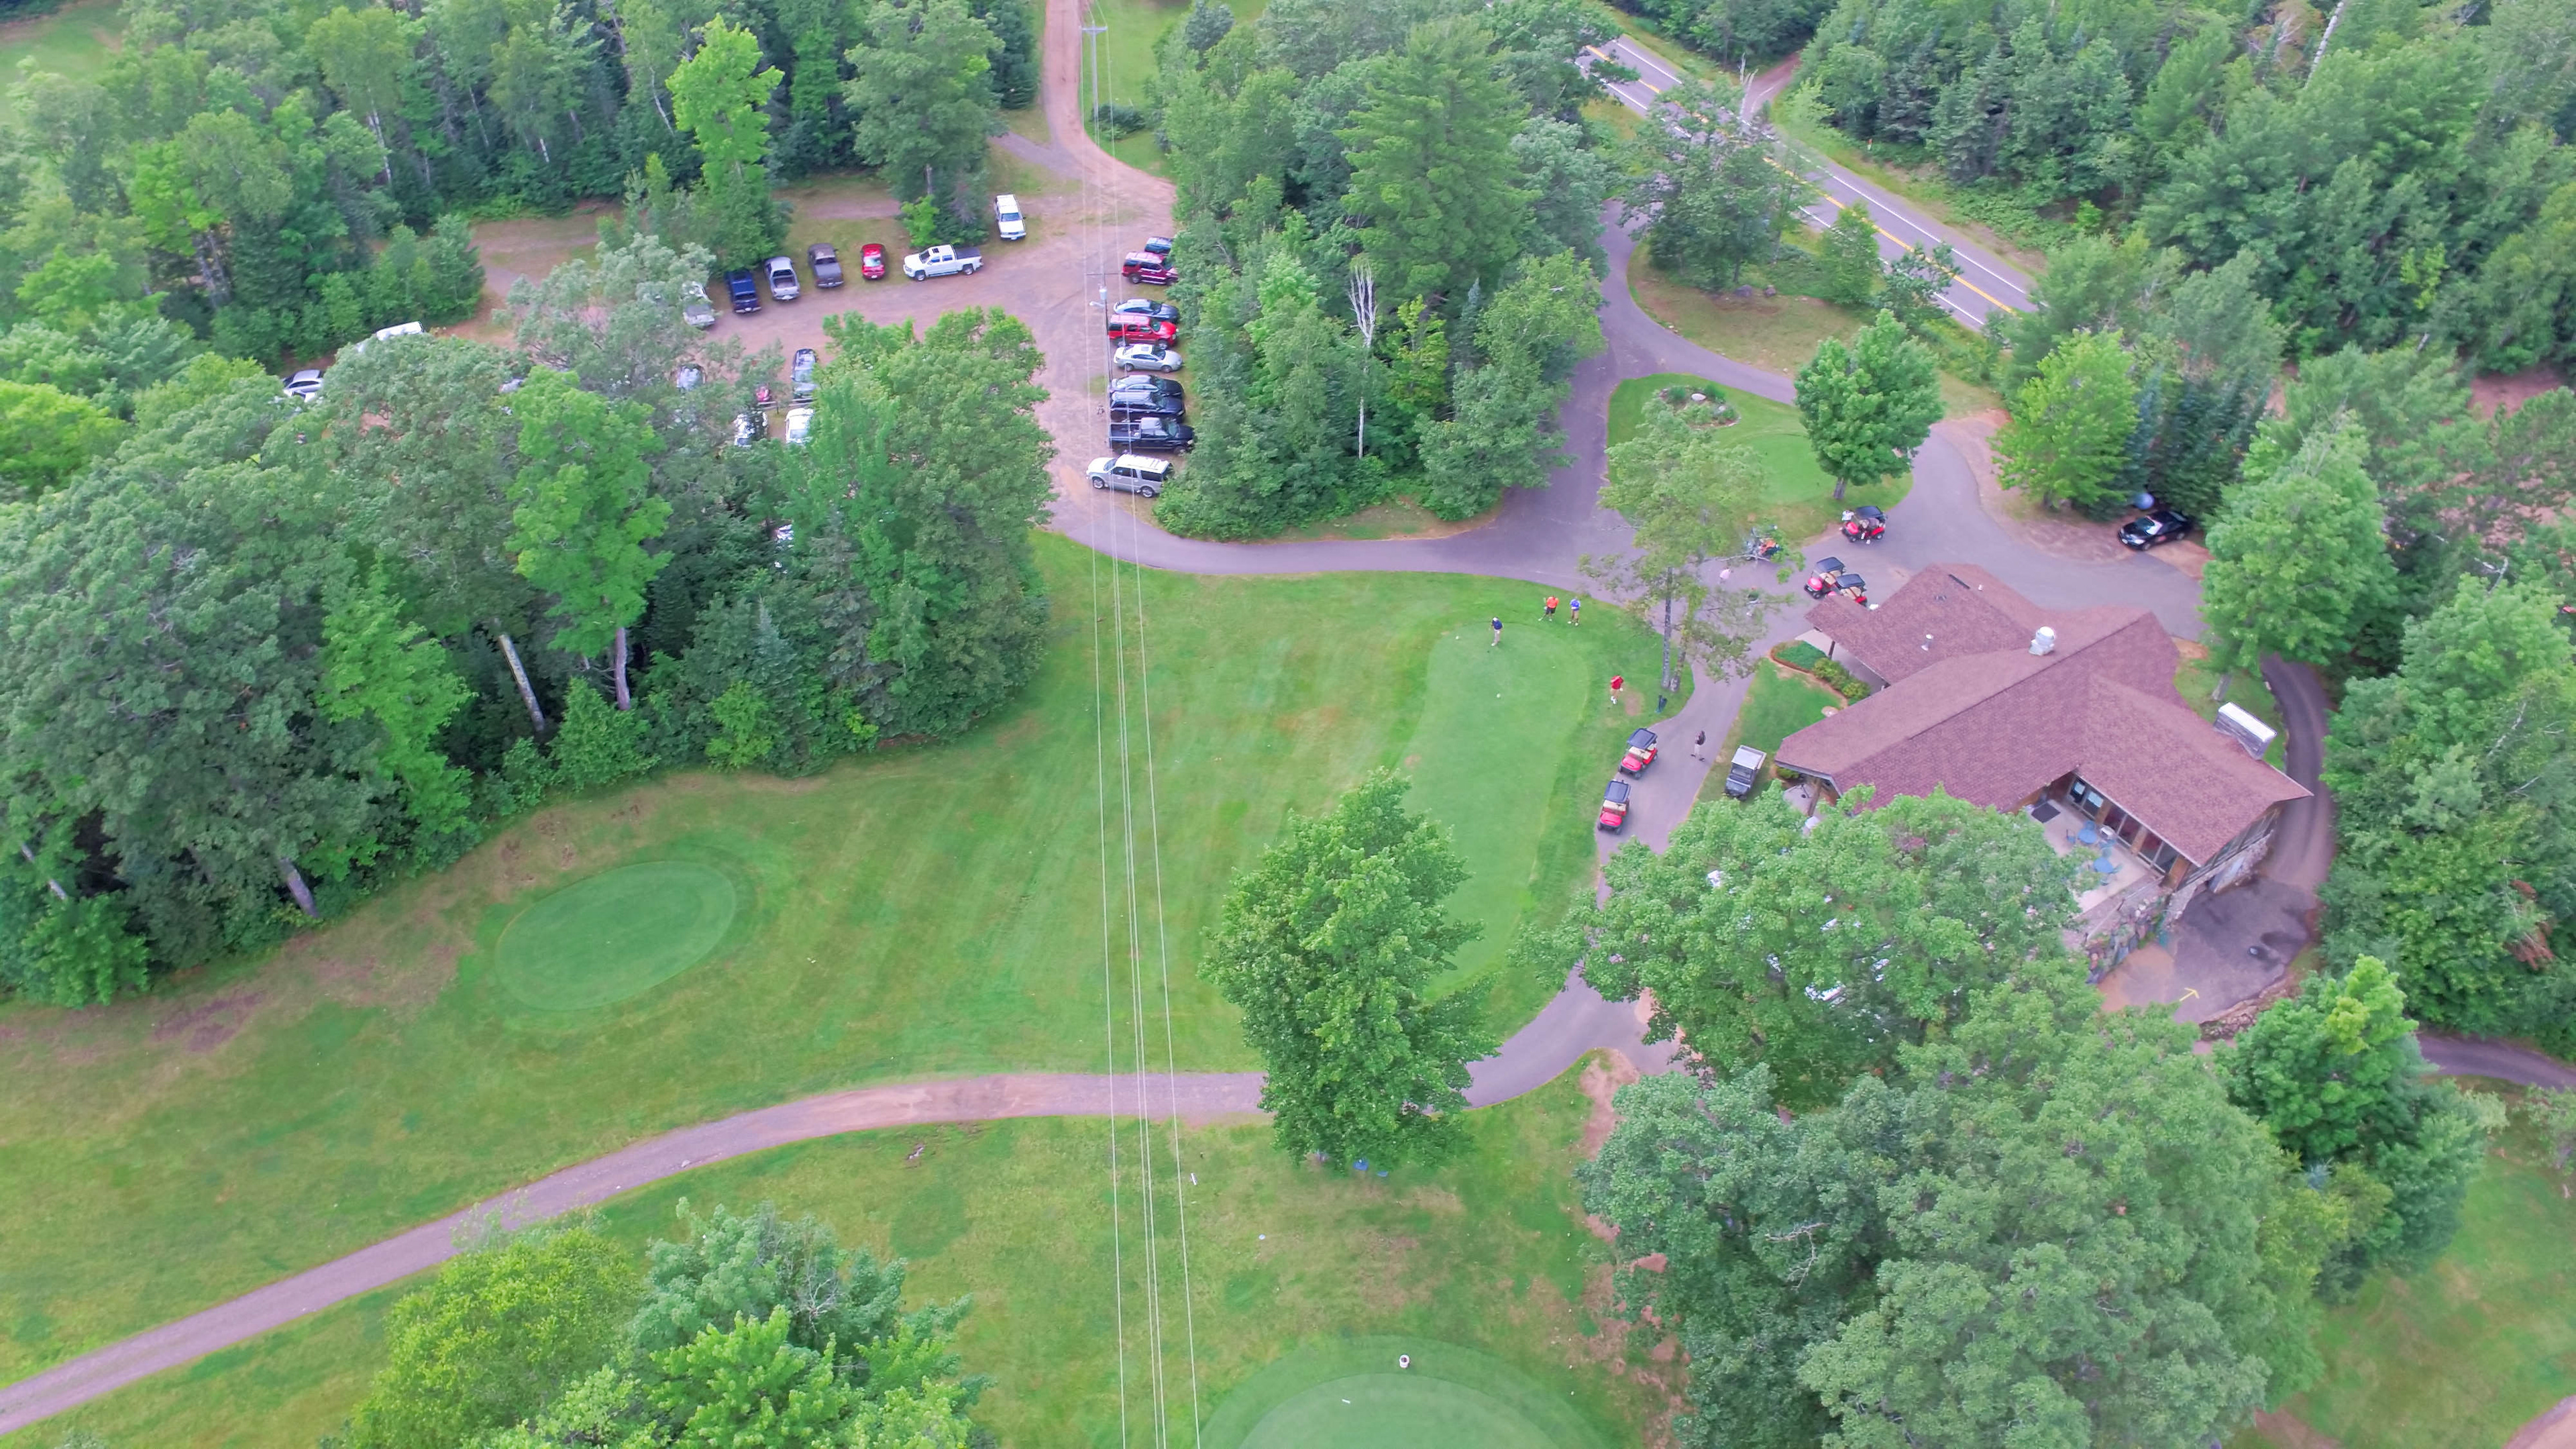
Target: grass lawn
1777	334
2465	1352
927	911
1286	1263
1797	497
2196	682
74	41
1126	57
1779	704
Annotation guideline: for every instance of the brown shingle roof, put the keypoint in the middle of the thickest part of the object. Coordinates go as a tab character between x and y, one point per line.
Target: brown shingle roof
1977	714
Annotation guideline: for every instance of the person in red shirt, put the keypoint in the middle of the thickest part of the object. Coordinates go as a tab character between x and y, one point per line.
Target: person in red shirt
1617	682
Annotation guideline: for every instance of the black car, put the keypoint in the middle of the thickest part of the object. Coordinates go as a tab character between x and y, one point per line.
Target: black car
826	264
1145	405
744	288
1145	383
1151	435
2161	525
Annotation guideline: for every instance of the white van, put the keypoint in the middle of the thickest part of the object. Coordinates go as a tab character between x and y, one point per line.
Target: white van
1007	219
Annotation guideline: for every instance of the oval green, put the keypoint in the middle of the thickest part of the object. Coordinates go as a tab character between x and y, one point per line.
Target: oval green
1351	1394
615	935
1396	1410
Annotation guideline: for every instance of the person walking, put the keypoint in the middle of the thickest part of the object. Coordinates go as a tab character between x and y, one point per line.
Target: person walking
1699	746
1574	611
1498	631
1551	607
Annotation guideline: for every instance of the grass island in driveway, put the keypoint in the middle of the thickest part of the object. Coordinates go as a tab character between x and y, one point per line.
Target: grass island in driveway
926	911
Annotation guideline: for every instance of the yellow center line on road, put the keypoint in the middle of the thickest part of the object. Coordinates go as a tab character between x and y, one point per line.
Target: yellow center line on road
1829	199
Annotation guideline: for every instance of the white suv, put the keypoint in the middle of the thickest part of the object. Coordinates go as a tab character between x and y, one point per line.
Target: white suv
1007	219
1130	473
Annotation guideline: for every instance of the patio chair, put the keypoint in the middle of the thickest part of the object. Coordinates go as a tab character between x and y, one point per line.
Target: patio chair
2106	864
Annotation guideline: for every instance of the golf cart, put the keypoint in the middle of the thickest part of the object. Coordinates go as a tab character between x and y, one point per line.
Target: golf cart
1761	546
1854	588
1641	753
1865	524
1743	771
1614	806
1821	581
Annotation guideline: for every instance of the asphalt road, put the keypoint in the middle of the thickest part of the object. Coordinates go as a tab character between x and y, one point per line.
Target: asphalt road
1987	284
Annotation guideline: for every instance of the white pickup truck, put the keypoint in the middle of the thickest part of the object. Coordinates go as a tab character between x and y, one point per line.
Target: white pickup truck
942	261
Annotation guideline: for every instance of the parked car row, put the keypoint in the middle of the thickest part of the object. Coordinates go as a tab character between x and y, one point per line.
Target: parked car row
779	273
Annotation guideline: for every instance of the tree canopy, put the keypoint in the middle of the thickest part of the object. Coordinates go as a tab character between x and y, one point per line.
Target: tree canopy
1819	950
1389	212
2044	1225
752	1329
1329	948
356	631
1868	404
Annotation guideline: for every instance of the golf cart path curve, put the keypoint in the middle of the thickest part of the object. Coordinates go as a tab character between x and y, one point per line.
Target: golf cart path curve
1578	1021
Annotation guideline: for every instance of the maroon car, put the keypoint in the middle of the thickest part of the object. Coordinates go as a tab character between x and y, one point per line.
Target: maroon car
1147	269
872	262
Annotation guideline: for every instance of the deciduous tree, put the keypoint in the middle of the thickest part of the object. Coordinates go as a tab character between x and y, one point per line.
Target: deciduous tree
921	89
47	434
1690	494
1868	405
1329	948
489	1340
582	513
2044	1225
1819	949
2453	787
1712	187
2298	565
1849	256
2071	422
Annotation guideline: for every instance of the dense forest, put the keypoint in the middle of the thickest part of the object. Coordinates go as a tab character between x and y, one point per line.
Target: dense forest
283	178
1389	252
2382	171
270	653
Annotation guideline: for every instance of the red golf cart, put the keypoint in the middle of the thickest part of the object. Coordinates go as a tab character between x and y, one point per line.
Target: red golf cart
1641	753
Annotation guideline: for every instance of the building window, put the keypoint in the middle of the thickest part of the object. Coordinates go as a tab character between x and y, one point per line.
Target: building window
2086	798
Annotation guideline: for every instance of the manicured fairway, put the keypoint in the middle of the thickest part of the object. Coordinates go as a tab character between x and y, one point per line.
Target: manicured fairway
1796	494
929	911
1483	1271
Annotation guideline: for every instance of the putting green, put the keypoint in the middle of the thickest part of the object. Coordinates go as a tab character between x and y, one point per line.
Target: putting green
614	935
1350	1394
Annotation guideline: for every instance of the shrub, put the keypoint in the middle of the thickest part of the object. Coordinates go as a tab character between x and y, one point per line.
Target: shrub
1118	122
1799	654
